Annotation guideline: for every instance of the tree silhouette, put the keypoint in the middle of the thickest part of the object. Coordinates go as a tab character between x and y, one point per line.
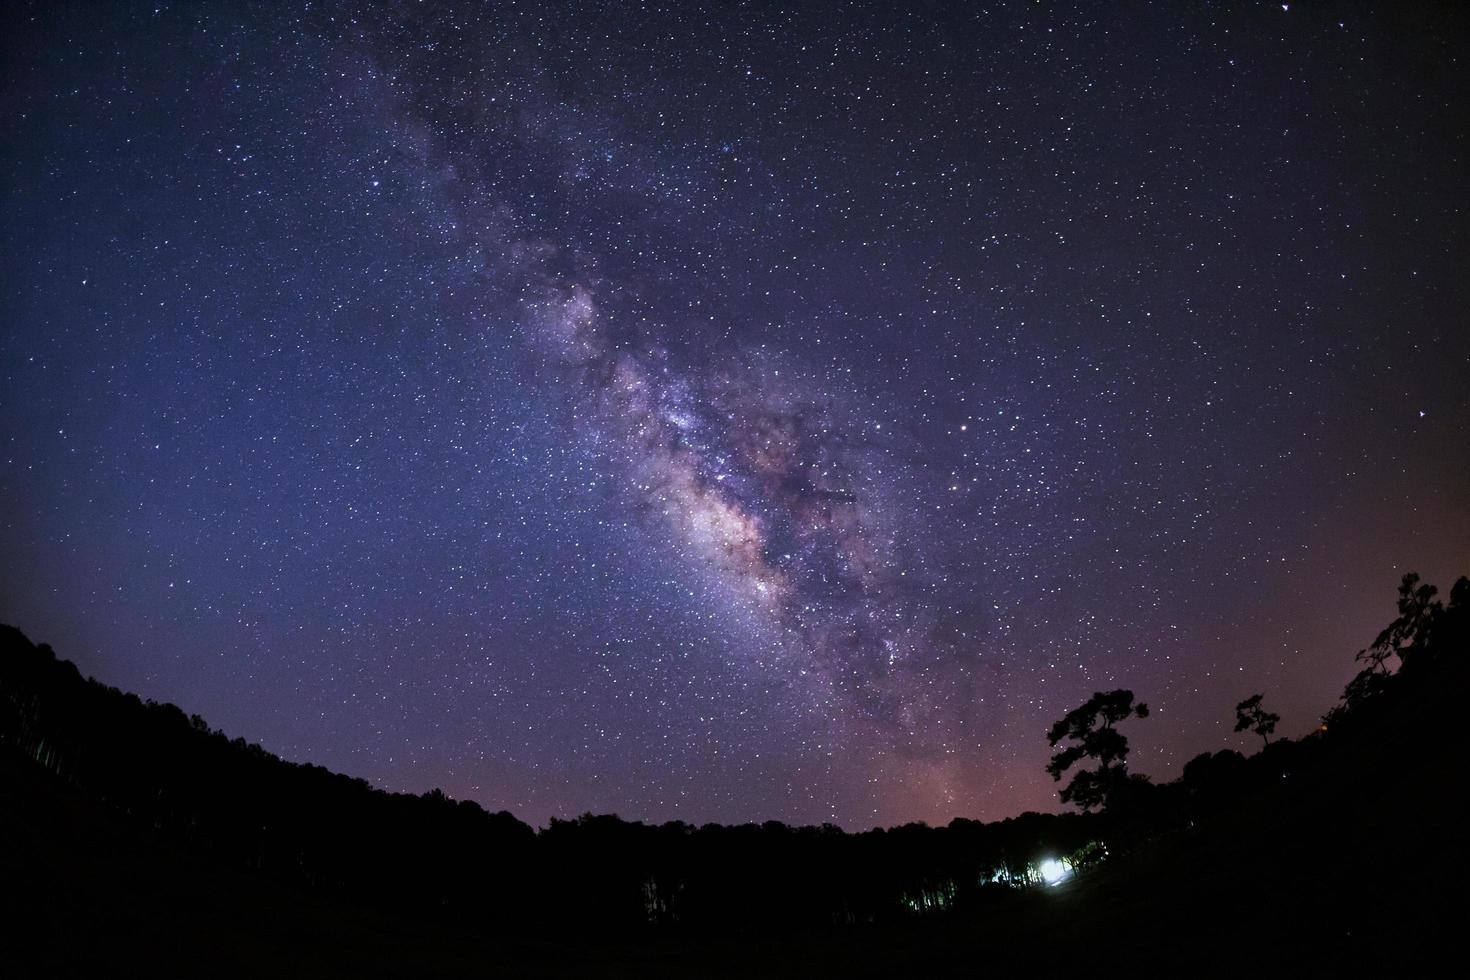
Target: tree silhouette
1250	715
1406	634
1091	728
164	777
1420	615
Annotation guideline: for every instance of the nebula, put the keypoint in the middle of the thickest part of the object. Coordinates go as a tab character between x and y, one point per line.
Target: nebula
764	486
761	474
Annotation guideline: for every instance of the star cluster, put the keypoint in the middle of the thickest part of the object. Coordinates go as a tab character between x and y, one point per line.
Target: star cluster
728	413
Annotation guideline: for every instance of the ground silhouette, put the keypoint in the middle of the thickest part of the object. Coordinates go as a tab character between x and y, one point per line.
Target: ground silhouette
141	842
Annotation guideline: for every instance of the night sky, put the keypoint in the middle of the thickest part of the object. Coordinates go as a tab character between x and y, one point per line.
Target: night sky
729	414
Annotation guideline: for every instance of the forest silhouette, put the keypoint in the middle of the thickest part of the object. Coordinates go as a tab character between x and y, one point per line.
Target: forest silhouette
140	841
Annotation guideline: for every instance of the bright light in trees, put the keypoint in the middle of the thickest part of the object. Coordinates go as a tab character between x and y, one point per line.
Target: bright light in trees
1053	872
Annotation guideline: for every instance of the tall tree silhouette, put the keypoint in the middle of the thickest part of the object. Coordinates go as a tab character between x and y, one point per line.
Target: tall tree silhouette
1091	728
1411	632
1406	634
1250	715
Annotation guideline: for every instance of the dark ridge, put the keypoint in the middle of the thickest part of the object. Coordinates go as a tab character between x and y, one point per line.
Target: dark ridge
138	841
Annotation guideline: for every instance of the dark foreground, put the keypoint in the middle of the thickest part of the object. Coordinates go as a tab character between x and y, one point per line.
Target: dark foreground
1360	894
1361	886
1341	854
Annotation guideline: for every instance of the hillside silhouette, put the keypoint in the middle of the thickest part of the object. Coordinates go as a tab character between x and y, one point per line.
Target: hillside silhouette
139	841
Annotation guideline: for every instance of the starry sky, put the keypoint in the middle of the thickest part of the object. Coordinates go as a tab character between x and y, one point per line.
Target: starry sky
728	412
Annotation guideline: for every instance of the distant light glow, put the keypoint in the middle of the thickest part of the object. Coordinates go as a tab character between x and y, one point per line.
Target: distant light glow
1054	872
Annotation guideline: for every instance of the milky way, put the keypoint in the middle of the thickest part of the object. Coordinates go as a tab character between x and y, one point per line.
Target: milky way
728	414
770	488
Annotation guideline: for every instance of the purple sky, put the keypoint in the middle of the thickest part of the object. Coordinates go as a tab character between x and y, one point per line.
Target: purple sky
729	414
